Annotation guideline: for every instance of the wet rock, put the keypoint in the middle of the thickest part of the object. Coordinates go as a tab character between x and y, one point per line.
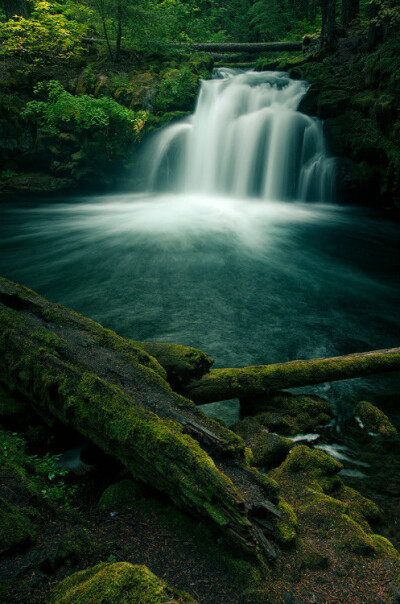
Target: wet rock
287	413
373	420
121	494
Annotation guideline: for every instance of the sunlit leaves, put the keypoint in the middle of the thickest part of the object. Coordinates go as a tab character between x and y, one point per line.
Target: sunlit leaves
48	33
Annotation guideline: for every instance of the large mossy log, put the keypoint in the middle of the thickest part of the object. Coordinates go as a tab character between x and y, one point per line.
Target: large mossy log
226	47
243	382
114	393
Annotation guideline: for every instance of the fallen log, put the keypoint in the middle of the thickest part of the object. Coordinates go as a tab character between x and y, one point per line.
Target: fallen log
224	384
225	47
220	47
115	394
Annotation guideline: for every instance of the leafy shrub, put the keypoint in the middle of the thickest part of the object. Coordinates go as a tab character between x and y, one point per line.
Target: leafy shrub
82	112
48	33
44	472
177	90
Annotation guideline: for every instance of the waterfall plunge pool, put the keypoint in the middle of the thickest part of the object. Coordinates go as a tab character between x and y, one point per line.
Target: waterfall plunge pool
247	281
219	253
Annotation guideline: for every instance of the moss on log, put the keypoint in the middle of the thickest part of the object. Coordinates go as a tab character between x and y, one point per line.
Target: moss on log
254	48
115	394
223	384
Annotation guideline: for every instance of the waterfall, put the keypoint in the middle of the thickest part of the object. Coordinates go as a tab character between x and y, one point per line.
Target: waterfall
245	139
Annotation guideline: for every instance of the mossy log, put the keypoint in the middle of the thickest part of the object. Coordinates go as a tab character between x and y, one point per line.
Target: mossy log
223	47
226	47
243	382
115	394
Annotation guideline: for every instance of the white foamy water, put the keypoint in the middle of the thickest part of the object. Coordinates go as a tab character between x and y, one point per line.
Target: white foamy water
246	139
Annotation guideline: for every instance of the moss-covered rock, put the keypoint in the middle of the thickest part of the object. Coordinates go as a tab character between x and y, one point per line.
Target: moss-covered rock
285	530
182	363
315	468
121	583
372	419
336	513
290	414
268	449
121	494
16	527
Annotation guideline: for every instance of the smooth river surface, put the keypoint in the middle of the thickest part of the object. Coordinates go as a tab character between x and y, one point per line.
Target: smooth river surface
248	282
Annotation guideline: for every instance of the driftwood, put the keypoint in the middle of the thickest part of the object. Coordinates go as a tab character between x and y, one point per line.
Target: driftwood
224	384
115	394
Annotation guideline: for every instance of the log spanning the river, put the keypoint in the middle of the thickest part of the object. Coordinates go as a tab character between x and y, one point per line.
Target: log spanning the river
227	47
223	384
222	47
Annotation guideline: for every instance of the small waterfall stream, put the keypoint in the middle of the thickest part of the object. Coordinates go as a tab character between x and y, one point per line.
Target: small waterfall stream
245	139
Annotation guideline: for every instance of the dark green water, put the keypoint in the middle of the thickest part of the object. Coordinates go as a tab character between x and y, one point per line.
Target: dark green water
248	282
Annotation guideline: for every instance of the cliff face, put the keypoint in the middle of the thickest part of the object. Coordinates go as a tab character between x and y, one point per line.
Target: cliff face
357	94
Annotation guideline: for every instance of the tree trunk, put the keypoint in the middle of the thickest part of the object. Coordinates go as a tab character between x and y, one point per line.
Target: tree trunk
15	7
328	10
119	32
224	384
350	11
102	12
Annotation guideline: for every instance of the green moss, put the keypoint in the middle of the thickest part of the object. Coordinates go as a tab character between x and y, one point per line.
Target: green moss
361	509
374	420
314	463
121	494
182	363
323	506
285	530
156	451
15	526
120	583
49	340
268	449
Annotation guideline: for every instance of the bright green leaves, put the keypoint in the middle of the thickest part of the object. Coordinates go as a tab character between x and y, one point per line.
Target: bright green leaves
49	33
83	112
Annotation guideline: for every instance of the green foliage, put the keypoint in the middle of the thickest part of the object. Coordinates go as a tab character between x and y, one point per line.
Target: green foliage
388	12
81	112
177	90
6	174
274	20
49	33
45	475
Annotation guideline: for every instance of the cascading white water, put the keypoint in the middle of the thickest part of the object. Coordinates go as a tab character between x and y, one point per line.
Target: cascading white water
246	139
